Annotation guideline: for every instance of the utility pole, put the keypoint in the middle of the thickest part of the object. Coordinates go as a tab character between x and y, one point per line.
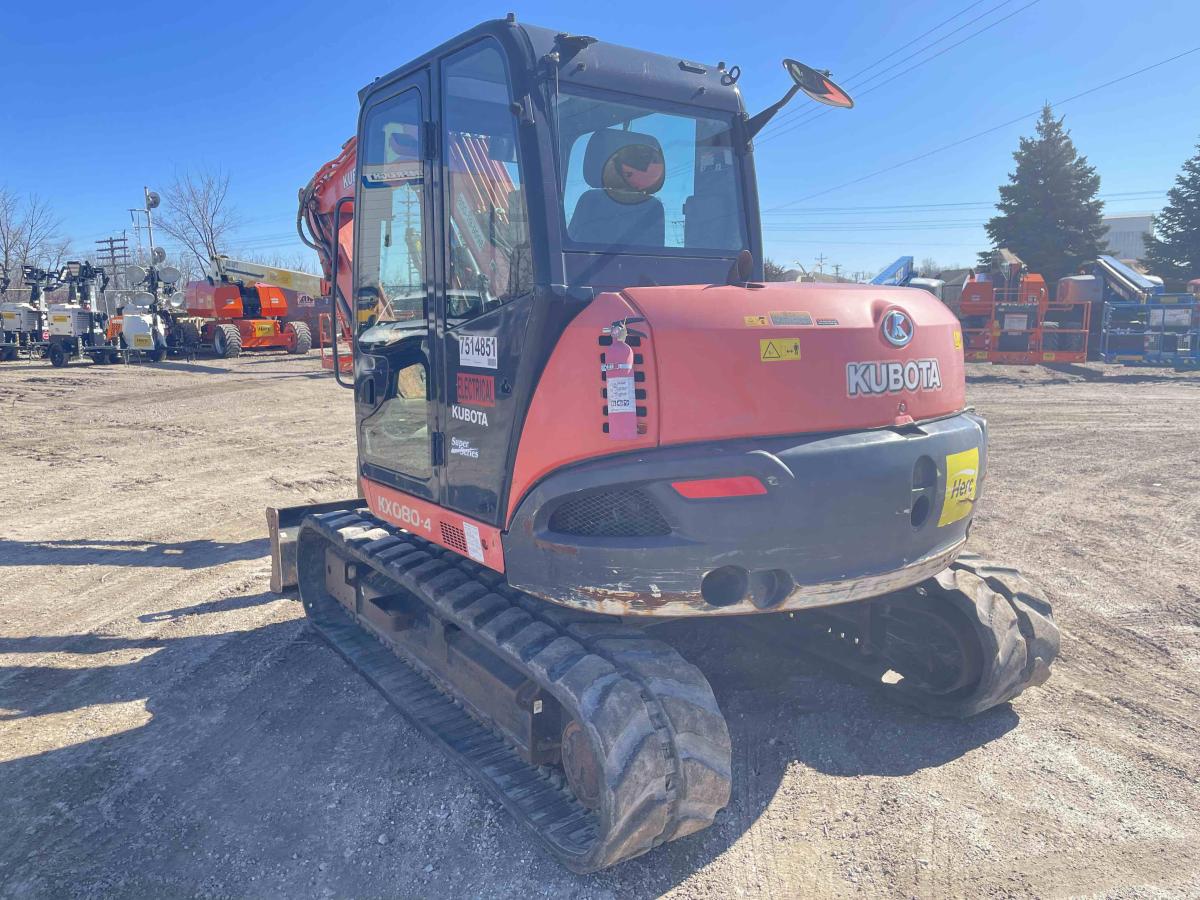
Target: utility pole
113	253
821	262
837	270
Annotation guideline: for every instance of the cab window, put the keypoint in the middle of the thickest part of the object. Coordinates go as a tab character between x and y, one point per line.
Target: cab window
488	261
391	214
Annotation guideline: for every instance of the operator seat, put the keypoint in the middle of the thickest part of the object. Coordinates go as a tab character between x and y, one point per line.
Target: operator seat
623	169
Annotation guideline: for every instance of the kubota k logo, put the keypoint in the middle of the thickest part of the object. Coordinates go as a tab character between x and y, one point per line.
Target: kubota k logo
897	328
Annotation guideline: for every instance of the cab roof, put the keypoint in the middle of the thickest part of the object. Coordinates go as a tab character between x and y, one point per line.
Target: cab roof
597	64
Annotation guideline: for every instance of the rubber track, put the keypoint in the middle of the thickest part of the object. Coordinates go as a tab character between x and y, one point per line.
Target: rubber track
1013	623
651	716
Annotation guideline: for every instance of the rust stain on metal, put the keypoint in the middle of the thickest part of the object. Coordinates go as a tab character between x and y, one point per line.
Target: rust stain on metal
638	600
561	549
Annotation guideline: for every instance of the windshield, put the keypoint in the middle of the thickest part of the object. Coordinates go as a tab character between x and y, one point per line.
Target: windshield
639	177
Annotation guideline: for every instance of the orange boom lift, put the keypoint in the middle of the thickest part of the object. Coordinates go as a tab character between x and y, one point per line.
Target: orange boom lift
244	306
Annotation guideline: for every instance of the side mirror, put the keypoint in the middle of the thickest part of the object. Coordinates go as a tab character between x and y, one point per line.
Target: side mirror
817	85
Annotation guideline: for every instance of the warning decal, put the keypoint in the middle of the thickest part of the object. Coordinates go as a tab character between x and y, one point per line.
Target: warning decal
757	322
779	349
957	339
962	475
621	396
791	318
474	544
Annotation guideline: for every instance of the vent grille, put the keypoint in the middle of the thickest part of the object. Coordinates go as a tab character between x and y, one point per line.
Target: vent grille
453	537
622	513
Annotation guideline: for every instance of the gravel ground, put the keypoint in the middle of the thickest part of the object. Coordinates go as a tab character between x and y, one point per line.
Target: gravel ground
168	727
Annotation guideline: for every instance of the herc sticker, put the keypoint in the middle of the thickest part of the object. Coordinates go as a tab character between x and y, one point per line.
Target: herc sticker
477	351
962	475
778	350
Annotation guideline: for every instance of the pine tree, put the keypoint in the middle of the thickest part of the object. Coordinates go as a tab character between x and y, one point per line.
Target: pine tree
1049	214
773	271
1173	253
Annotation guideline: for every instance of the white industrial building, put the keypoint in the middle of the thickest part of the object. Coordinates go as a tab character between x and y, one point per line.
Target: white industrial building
1127	234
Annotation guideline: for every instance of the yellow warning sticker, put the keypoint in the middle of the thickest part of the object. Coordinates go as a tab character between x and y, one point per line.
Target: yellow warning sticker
264	329
962	475
778	350
142	340
758	322
1048	357
957	339
979	354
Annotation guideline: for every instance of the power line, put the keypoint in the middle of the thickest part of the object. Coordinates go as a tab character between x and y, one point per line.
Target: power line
935	206
794	125
848	81
985	132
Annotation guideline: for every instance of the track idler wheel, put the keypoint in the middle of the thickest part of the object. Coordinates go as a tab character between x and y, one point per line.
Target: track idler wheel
972	637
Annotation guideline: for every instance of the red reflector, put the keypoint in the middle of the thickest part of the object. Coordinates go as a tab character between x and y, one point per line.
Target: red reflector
711	488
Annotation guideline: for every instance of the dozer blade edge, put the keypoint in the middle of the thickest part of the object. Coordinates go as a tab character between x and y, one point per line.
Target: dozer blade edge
283	524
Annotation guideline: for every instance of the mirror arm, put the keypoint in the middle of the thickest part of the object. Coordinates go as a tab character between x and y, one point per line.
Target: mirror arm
756	123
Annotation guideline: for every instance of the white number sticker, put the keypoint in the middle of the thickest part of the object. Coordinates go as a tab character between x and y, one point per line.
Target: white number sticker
478	351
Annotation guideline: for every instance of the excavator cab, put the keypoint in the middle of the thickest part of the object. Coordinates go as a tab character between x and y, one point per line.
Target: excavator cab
578	408
503	182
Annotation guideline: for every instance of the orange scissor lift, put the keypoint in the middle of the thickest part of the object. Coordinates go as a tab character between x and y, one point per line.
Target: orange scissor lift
1008	318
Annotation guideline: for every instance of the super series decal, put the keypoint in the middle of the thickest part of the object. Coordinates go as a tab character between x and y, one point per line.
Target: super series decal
866	379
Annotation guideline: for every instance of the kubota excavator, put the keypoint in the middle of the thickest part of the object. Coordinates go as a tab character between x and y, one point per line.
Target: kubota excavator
581	412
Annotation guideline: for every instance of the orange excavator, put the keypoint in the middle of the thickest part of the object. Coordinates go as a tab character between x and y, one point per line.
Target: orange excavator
581	412
325	222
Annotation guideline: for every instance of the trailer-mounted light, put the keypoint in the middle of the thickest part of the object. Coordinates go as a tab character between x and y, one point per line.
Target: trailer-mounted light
713	488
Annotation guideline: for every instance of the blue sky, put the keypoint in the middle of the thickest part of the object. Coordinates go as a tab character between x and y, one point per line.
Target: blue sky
102	99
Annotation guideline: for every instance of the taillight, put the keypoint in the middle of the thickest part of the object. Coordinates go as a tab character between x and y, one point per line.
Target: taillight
713	488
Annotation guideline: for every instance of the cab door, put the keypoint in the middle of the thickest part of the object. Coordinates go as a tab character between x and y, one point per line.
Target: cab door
485	297
396	358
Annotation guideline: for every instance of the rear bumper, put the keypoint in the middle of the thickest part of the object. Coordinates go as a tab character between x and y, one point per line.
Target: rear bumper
845	517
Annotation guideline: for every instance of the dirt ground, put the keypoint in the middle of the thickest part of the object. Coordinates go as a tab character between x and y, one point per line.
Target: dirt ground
168	727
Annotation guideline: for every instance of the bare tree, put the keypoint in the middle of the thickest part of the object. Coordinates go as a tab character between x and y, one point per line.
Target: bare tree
929	267
30	234
198	213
